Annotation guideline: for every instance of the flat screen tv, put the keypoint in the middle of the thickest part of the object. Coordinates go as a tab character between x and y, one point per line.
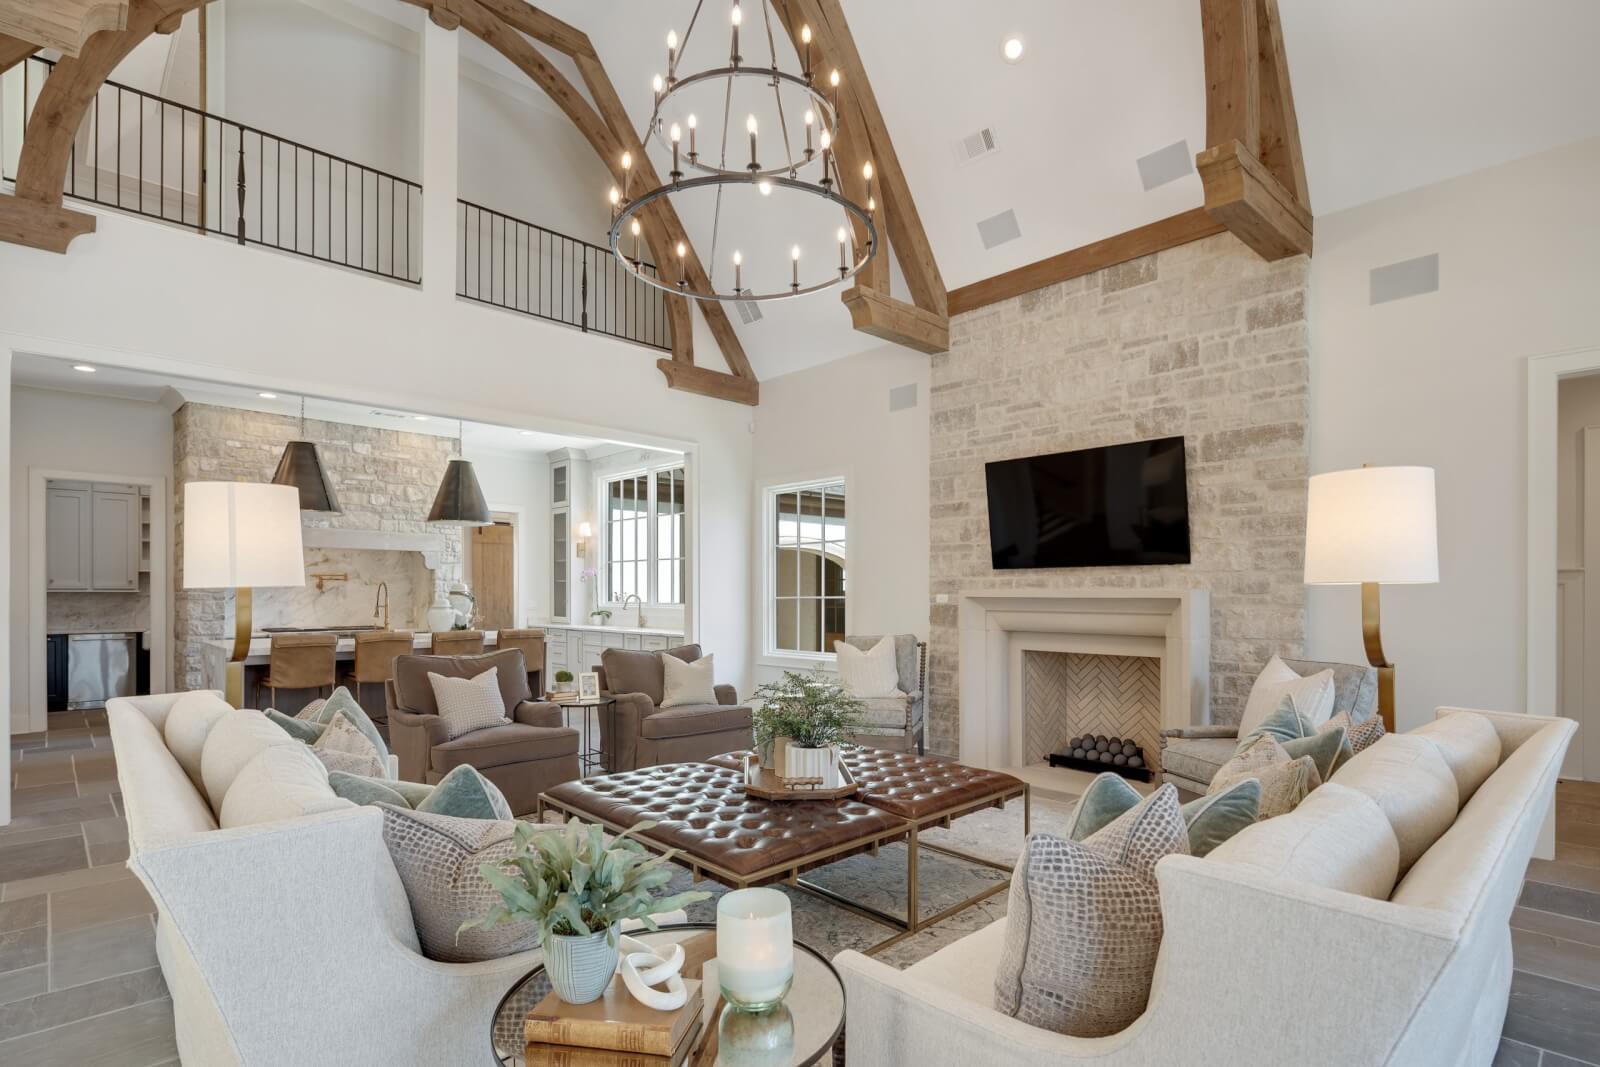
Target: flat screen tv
1115	506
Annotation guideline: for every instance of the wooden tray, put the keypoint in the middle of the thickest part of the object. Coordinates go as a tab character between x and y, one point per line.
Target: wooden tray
763	783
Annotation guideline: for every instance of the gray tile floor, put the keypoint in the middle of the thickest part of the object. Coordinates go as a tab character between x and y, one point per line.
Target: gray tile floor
79	982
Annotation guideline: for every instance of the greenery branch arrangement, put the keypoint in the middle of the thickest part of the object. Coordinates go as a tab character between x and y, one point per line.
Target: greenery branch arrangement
811	710
572	885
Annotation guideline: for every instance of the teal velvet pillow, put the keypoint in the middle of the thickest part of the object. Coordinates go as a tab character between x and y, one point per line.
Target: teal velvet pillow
342	703
413	792
1215	818
1108	796
1211	819
1283	725
1328	750
466	794
364	790
299	729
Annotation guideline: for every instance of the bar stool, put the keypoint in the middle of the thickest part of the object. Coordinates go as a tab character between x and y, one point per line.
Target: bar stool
458	643
532	644
376	651
301	661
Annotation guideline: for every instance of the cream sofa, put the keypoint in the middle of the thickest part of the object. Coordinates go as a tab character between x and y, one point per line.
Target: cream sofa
291	941
1260	969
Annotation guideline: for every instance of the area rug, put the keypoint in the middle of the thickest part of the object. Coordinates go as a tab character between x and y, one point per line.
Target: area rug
880	882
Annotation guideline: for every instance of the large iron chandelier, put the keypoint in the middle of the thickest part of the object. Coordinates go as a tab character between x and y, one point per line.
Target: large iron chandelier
806	165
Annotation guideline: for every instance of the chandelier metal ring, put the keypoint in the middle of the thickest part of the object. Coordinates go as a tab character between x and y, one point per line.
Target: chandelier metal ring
826	117
635	266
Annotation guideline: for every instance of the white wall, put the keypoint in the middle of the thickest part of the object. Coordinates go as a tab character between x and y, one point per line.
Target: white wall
1578	406
67	431
1440	380
520	481
833	420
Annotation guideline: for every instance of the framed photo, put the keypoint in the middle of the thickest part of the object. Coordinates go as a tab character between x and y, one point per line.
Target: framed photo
589	685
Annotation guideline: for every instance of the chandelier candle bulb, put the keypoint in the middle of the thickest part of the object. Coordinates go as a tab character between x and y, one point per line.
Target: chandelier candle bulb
833	80
677	135
750	124
811	118
794	265
672	53
658	85
844	264
637	230
866	173
738	265
765	187
805	39
827	143
692	125
736	17
683	279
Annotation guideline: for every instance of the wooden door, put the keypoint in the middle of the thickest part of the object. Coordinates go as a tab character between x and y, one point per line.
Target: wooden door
493	552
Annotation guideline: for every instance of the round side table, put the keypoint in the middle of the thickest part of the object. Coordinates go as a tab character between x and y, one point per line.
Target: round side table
590	757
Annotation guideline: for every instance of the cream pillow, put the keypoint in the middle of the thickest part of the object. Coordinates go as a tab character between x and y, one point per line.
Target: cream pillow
188	725
870	674
342	747
232	743
687	683
1412	784
1337	838
468	704
1470	747
1312	696
281	782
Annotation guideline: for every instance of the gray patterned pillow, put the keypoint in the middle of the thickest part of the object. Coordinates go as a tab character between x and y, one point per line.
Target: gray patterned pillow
1083	922
342	747
1285	781
1361	734
438	857
468	704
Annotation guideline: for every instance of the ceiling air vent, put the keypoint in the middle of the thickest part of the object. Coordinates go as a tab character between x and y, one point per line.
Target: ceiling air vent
976	145
749	311
996	230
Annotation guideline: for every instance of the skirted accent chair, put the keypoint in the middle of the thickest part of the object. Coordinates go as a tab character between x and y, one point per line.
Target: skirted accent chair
641	733
896	723
1192	755
524	757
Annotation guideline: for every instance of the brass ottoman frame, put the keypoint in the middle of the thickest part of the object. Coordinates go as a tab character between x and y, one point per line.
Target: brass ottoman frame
790	872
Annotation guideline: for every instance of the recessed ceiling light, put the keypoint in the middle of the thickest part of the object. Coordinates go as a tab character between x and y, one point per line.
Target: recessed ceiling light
420	418
526	433
1012	49
84	368
268	396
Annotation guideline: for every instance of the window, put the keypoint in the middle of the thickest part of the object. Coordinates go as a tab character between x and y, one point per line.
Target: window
807	583
645	552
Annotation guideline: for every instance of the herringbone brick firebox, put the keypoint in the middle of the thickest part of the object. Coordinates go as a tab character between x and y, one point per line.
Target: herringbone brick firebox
1066	694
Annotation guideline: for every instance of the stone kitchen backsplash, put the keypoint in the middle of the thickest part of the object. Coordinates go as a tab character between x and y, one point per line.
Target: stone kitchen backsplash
1205	340
350	602
89	613
385	480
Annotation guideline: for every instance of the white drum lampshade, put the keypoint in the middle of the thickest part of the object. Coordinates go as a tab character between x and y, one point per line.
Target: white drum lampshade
241	535
1372	524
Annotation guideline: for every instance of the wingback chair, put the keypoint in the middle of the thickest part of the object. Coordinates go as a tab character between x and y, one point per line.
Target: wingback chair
1192	755
896	723
524	757
641	733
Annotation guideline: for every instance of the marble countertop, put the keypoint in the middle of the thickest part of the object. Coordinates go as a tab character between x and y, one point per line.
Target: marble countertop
261	647
665	631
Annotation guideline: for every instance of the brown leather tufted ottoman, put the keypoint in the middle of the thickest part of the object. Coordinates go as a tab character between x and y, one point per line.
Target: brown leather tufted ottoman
739	840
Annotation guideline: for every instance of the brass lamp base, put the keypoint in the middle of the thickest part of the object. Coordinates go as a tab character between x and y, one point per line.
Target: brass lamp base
233	677
1374	643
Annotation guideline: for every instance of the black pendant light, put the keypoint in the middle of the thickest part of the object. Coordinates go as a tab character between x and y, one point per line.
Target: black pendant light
460	501
301	467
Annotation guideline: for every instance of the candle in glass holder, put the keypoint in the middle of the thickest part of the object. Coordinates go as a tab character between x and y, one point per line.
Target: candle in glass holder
755	948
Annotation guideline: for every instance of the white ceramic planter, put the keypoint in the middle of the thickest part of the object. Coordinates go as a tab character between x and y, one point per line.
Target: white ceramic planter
580	968
810	762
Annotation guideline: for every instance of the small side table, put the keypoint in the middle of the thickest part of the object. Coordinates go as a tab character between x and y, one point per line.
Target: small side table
591	758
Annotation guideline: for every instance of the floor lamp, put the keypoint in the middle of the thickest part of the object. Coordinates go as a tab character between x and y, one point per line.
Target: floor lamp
1368	527
241	536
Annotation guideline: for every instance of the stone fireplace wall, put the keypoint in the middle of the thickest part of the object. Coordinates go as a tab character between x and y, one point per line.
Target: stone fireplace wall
1205	340
1065	694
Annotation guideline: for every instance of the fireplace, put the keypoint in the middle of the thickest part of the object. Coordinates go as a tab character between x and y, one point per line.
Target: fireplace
1154	643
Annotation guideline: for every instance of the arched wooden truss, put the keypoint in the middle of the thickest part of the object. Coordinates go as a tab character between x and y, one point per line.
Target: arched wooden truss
36	215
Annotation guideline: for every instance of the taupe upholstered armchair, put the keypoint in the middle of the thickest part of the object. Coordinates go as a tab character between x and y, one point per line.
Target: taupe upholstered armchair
1192	755
896	723
641	733
523	757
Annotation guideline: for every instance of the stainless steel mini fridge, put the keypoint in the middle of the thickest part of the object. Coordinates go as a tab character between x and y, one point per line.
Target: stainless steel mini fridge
99	667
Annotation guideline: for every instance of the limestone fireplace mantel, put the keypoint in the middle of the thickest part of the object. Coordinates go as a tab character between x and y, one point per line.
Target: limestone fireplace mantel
998	626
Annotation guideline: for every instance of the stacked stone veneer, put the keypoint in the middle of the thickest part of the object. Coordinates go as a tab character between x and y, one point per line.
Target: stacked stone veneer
385	481
1207	341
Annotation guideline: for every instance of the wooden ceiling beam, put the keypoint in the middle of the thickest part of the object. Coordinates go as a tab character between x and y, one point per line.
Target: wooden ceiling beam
877	314
1253	172
1145	240
14	50
65	25
715	384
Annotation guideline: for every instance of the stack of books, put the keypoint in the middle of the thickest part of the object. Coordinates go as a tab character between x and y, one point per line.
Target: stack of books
614	1031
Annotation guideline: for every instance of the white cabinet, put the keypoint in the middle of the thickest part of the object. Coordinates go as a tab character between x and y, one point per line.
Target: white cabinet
92	537
578	650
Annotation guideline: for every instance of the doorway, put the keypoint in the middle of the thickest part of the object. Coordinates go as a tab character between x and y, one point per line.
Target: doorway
1578	569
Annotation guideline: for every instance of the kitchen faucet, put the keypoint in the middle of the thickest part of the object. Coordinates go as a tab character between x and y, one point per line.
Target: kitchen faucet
380	606
624	605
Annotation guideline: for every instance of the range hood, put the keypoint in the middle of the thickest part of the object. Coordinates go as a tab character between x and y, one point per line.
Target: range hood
429	545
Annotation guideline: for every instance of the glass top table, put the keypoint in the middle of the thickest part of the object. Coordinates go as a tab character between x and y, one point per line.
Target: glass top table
800	1033
590	756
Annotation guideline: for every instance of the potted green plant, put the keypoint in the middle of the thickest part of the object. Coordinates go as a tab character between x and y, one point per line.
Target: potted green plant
802	721
563	681
578	890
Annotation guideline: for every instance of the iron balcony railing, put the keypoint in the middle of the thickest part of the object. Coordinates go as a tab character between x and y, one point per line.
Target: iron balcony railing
161	159
522	266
